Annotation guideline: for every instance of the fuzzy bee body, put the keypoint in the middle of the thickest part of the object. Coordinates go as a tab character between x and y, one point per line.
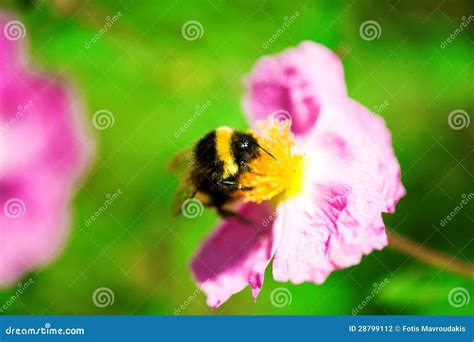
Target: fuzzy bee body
213	168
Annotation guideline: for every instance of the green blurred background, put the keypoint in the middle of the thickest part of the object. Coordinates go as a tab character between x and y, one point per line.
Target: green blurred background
152	79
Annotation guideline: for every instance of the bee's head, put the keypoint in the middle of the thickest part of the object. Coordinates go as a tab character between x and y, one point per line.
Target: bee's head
244	147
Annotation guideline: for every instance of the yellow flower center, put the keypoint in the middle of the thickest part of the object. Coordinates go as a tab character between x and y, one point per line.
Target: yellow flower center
278	177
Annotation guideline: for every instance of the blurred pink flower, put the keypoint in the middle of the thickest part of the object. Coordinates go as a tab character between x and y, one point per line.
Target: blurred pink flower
350	175
42	155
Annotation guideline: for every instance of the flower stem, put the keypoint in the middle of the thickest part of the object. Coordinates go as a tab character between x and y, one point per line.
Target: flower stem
429	256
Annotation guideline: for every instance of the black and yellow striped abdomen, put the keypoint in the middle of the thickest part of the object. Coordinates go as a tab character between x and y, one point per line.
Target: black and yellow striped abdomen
218	160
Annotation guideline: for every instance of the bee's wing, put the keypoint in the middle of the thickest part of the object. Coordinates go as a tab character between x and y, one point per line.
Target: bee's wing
181	166
184	192
181	162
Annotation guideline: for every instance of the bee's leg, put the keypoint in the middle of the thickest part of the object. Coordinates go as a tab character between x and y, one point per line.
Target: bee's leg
234	186
198	188
194	193
256	173
245	167
227	214
248	169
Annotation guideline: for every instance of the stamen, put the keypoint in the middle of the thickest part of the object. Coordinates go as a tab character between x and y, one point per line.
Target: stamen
278	174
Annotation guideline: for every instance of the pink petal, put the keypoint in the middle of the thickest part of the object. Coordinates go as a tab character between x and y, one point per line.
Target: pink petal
352	177
296	83
235	255
44	152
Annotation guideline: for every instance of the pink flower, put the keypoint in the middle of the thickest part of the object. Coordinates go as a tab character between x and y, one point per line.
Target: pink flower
42	154
336	173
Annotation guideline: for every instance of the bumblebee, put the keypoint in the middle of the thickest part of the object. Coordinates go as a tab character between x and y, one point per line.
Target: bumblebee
210	170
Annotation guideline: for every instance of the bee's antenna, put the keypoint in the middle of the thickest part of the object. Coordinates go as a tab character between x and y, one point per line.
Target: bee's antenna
264	150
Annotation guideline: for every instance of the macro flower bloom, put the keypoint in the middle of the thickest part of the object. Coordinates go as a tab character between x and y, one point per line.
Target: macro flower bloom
318	206
43	150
